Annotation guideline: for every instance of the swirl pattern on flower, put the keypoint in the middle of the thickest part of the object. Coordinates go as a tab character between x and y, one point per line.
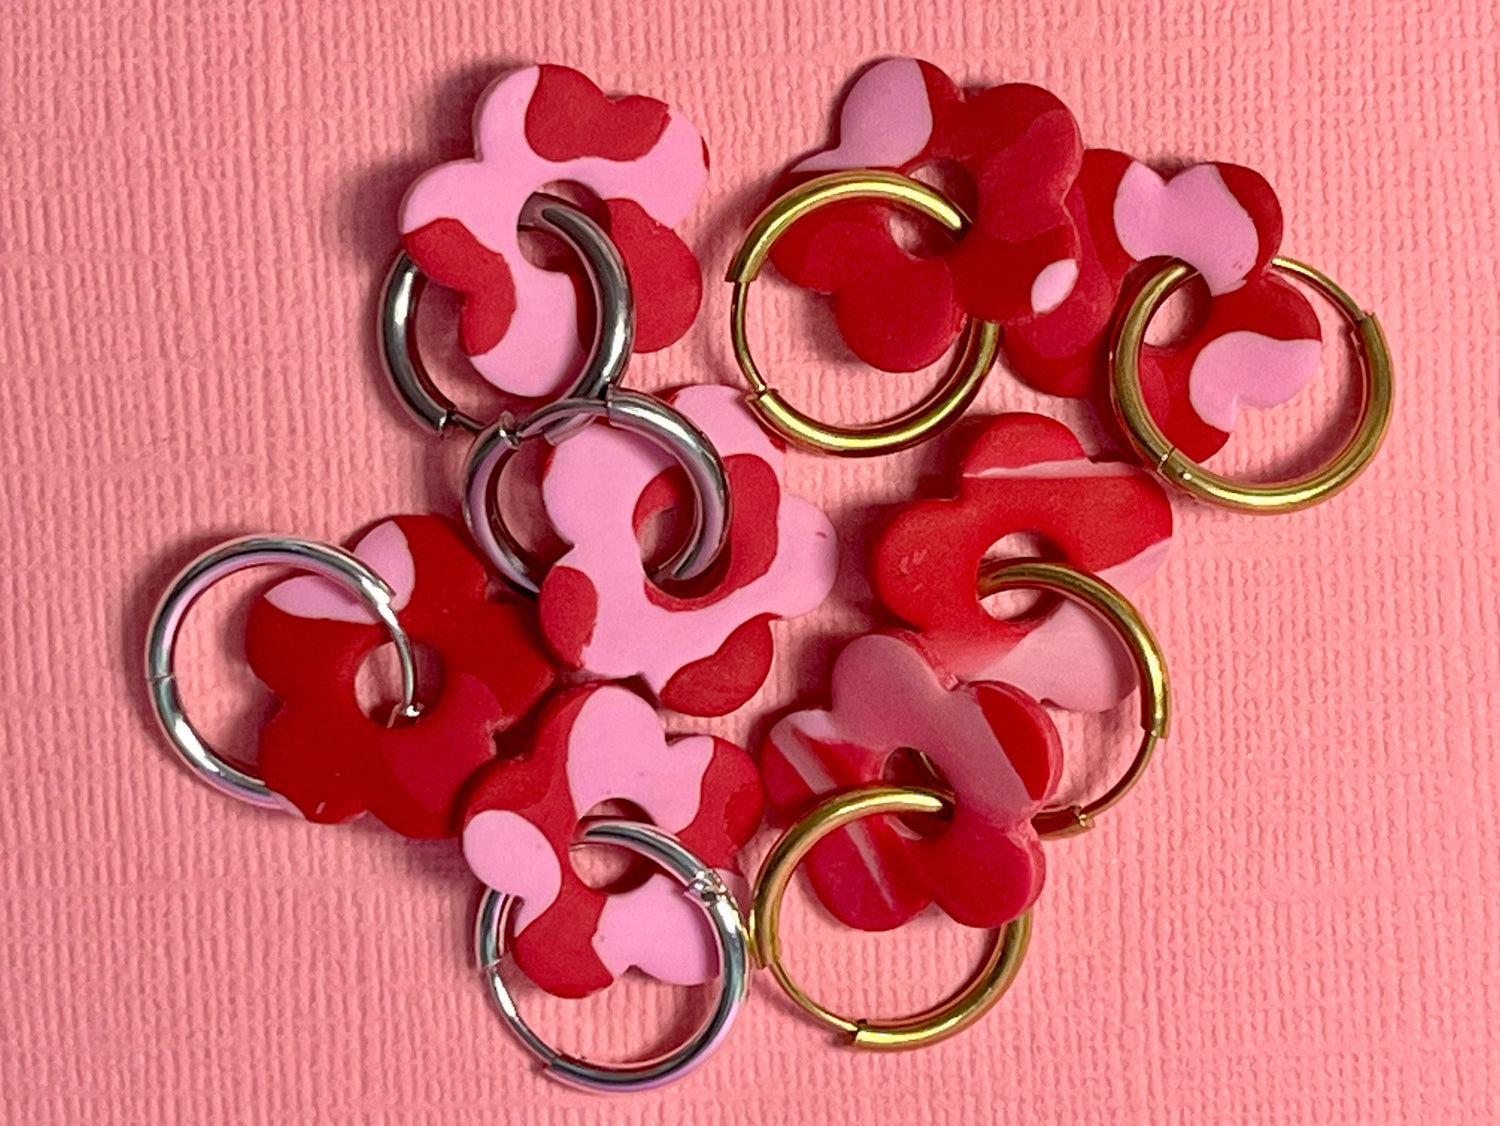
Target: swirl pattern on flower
995	747
1025	473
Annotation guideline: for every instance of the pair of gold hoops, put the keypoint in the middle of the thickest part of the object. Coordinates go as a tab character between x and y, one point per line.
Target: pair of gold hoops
958	387
989	983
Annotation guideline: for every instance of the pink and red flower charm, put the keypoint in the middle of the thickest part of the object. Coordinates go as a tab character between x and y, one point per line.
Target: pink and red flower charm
1025	474
1017	150
962	687
996	749
603	744
707	651
1260	341
522	325
306	640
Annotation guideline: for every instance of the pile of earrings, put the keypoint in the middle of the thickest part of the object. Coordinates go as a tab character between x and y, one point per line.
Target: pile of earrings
1058	255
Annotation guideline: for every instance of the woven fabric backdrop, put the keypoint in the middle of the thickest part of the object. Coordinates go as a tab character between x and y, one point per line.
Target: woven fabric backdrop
1293	920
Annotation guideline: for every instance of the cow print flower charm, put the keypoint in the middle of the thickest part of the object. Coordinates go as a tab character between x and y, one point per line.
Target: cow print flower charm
597	744
702	653
1016	151
644	162
1259	344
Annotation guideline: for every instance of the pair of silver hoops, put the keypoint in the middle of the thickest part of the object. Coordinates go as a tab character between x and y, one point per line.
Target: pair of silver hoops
594	395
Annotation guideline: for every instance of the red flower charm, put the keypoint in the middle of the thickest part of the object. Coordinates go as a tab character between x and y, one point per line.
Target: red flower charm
1018	148
595	744
306	640
995	747
1025	474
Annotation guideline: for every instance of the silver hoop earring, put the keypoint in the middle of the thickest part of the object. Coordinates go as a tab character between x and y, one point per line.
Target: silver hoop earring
707	890
614	335
639	414
322	559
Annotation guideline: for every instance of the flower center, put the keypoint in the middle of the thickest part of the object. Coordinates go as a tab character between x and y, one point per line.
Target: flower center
377	684
909	767
920	236
1020	605
602	867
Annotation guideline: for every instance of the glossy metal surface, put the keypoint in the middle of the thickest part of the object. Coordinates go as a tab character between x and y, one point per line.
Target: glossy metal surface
972	1001
237	555
1116	611
705	887
615	319
640	414
941	407
1155	450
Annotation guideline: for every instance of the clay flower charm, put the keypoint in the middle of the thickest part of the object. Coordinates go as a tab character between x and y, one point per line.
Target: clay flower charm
1260	342
1016	150
306	640
704	653
994	746
542	125
1025	474
595	744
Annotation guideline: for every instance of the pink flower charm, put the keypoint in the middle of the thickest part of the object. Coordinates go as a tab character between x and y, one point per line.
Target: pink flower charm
708	653
994	745
1025	474
306	640
594	744
541	125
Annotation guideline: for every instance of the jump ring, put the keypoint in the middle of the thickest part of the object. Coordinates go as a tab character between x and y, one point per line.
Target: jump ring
705	887
640	414
972	1001
942	405
1116	611
1152	445
614	334
332	563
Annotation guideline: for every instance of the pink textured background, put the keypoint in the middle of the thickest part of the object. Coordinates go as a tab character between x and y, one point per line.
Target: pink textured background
1293	921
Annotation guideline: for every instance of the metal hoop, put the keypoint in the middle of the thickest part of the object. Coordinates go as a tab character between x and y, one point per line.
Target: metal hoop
640	414
941	406
707	889
614	333
238	555
971	1002
1156	450
1114	610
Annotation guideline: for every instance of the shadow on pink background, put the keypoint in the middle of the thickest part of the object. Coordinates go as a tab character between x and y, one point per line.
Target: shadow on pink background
1292	921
